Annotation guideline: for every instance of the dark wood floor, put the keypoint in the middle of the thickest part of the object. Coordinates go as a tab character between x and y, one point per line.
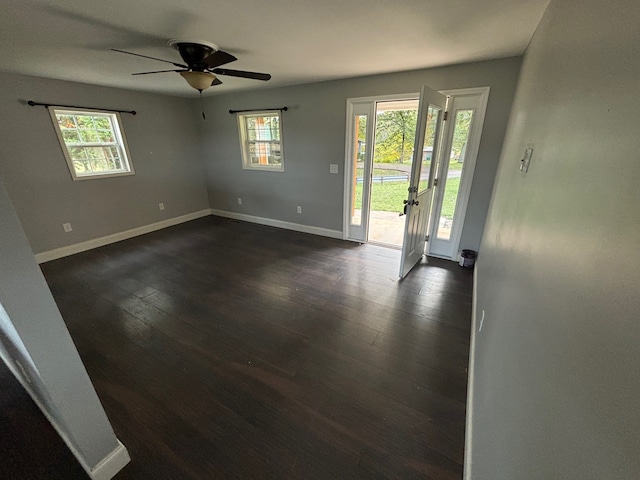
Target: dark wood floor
30	448
223	349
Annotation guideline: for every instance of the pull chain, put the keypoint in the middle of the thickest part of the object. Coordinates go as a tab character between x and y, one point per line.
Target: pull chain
202	105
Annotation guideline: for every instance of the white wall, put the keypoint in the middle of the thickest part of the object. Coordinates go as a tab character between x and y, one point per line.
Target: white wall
163	141
556	386
35	344
314	137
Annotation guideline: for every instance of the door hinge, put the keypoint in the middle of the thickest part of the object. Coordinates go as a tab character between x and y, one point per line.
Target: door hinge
446	115
426	238
435	182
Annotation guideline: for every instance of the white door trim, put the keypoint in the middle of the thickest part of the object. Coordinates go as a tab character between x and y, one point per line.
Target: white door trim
472	156
385	98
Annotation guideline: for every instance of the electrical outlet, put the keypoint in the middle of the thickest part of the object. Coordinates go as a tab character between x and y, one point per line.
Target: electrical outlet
161	206
333	168
239	201
67	227
299	209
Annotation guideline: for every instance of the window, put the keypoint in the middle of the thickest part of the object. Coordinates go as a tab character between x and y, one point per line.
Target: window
261	141
93	143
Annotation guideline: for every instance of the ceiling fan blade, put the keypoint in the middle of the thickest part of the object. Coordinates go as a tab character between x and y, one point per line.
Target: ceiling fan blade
219	58
152	58
240	73
216	81
158	71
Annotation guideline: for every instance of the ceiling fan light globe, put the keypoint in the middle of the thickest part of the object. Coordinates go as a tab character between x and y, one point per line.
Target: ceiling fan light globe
198	80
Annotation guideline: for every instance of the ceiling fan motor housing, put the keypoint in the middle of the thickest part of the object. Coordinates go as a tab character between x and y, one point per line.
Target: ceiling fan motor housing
194	52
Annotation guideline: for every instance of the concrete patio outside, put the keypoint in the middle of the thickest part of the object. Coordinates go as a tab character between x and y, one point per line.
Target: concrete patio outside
387	228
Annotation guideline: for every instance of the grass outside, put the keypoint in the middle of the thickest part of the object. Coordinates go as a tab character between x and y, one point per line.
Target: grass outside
388	197
391	172
380	172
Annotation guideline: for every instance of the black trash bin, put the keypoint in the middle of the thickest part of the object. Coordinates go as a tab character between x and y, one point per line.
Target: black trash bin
468	258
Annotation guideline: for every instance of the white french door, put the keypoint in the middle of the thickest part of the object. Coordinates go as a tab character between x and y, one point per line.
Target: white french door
428	208
426	154
460	145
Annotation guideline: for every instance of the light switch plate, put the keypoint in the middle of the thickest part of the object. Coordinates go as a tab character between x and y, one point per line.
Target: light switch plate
524	163
333	168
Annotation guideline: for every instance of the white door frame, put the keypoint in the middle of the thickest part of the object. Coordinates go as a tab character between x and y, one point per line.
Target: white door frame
468	170
470	161
348	161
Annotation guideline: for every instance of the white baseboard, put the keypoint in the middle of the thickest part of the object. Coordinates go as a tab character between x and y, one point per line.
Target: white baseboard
110	465
468	434
324	232
106	468
116	237
134	232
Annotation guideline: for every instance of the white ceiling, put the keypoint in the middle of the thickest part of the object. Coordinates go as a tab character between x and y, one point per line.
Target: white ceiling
297	41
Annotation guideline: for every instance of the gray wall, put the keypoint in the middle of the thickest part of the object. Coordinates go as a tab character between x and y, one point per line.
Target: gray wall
314	137
556	385
35	343
163	142
167	141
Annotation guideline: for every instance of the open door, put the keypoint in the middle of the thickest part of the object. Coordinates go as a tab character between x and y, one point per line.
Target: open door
425	158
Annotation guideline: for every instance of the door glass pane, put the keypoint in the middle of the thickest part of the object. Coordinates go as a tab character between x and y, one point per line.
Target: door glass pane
433	116
462	127
360	137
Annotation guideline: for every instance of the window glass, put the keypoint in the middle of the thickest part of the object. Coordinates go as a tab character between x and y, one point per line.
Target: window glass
92	142
433	116
261	141
462	129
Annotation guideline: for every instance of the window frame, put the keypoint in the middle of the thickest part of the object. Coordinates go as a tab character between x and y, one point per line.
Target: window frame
244	141
118	133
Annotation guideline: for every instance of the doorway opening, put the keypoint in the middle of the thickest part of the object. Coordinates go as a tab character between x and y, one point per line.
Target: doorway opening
394	137
388	199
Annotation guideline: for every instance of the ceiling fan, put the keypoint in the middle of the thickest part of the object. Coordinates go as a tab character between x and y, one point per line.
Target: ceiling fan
201	64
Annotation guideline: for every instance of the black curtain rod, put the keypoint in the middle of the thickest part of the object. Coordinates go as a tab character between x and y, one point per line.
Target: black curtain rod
283	109
46	105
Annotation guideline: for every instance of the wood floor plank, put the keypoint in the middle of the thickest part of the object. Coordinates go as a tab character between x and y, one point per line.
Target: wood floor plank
222	349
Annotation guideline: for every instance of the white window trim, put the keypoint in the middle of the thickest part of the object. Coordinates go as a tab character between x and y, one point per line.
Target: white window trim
118	132
246	163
